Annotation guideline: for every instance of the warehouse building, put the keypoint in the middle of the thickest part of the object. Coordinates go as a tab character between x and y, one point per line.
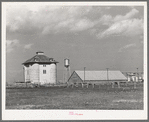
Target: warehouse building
96	77
40	69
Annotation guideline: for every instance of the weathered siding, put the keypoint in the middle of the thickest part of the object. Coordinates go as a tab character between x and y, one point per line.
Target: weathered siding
53	73
34	73
44	78
50	76
27	73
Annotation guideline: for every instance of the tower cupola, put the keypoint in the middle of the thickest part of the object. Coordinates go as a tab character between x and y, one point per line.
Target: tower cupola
39	53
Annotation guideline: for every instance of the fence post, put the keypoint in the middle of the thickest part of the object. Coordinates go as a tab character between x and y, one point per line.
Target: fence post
134	84
118	84
112	84
93	85
82	85
87	85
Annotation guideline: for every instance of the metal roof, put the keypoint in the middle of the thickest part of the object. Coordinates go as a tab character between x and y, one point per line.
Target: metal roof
40	59
101	75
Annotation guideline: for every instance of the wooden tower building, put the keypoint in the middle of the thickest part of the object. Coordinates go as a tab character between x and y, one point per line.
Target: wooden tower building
40	69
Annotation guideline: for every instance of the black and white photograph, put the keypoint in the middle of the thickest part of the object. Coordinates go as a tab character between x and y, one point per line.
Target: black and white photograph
74	60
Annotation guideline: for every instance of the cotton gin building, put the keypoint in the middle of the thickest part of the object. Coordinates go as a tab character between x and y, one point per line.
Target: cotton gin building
40	69
96	77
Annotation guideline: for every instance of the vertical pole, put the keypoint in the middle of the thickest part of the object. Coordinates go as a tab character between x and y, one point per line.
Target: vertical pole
93	85
84	74
127	77
23	74
84	78
63	75
137	75
82	85
118	84
67	85
107	74
112	84
56	74
67	74
134	84
15	83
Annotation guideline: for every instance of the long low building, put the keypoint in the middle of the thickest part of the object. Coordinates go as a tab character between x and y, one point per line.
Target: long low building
96	77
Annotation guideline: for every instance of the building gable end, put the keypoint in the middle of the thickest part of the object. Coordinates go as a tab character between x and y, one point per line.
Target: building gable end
75	78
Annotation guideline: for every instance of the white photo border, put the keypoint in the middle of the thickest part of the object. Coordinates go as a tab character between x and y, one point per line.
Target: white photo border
64	114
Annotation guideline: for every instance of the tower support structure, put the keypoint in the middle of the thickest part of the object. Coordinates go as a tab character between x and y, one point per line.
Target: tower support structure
67	71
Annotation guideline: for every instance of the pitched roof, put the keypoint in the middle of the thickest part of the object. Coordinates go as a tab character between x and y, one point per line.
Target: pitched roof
101	75
40	59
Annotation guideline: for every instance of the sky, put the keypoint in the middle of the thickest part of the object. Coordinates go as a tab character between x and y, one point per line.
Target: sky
95	37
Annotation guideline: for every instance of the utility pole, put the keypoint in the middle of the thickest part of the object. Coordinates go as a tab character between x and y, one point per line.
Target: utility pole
136	80
84	74
137	74
107	74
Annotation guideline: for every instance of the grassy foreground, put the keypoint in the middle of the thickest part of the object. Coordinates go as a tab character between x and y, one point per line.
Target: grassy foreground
105	97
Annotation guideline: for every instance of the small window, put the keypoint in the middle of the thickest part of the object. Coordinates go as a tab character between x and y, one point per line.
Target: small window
44	65
51	59
36	59
44	71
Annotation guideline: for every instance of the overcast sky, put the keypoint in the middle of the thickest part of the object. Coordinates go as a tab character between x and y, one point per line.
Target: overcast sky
94	37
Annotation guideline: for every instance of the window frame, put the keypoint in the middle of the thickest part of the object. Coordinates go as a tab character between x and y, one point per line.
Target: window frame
44	72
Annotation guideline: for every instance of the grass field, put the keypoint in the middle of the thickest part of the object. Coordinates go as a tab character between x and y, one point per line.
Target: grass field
105	97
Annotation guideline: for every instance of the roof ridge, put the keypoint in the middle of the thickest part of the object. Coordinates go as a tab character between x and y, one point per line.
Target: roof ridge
29	59
101	75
